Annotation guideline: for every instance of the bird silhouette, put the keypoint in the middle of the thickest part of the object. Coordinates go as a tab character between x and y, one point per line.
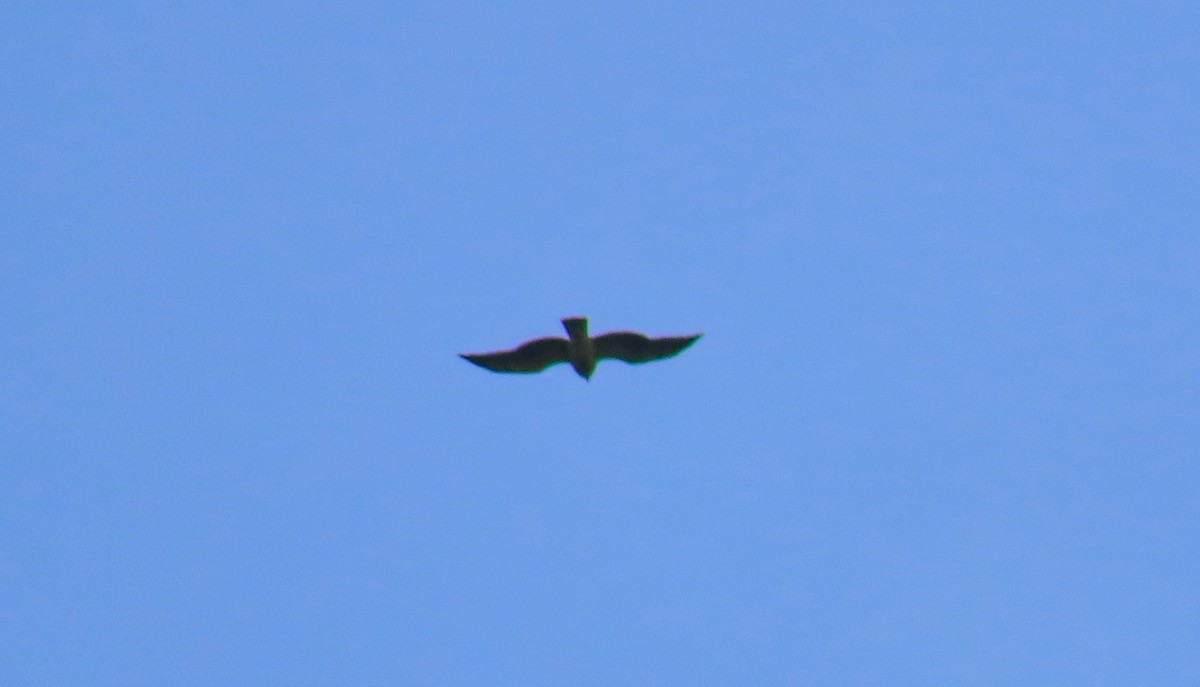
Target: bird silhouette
581	350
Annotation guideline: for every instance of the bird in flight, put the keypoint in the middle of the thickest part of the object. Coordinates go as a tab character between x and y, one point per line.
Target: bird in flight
581	350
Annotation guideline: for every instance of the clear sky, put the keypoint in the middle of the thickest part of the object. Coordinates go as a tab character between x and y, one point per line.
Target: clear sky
943	427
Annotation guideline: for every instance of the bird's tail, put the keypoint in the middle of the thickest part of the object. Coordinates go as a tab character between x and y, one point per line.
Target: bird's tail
576	327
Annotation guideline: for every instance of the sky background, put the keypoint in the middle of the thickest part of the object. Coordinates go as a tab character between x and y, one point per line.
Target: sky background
942	427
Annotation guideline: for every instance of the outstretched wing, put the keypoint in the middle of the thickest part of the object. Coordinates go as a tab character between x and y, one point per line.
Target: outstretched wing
639	348
531	356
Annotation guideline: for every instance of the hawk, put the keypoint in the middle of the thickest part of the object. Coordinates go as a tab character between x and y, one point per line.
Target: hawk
581	350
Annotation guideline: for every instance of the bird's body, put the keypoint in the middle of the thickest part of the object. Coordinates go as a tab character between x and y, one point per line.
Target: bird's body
581	350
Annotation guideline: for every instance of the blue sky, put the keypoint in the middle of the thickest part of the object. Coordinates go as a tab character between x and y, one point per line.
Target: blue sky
941	429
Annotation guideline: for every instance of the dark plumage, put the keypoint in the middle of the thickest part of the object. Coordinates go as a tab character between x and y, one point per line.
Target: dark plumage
531	356
582	351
